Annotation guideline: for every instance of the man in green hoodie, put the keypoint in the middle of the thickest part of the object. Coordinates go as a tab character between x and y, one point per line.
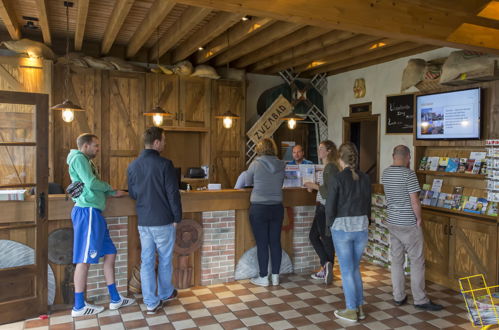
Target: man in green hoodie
91	236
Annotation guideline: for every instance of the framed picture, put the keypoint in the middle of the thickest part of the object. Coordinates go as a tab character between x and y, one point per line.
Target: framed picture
400	114
360	109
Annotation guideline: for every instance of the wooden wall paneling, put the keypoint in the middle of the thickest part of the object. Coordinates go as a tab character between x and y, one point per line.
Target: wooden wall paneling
183	149
168	97
194	101
85	89
245	239
126	123
227	145
133	246
492	124
436	246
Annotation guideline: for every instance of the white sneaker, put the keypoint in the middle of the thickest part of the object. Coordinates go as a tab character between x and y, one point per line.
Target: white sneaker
87	310
122	303
275	279
261	281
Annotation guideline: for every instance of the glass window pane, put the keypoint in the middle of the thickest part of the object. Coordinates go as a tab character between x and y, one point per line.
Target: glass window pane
17	122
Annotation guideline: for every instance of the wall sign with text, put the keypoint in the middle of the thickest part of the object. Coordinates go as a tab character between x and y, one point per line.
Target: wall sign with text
360	109
400	114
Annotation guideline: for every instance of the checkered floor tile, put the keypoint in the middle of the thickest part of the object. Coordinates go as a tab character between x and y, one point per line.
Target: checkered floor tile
298	303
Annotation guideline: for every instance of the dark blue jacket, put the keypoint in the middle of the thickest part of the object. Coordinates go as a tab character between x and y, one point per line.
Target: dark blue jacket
152	182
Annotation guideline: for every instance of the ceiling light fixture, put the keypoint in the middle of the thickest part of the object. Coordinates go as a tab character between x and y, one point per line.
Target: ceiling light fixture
157	113
67	106
292	119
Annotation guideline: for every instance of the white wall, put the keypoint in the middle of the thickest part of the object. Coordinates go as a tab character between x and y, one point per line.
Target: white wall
256	84
381	80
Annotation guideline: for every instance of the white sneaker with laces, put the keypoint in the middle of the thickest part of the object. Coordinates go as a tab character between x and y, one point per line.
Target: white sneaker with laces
261	281
88	309
122	303
320	275
275	279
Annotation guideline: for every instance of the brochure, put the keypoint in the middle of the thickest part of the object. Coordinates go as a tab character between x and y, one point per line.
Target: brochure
492	209
462	165
442	164
437	185
422	163
452	165
432	164
307	173
292	177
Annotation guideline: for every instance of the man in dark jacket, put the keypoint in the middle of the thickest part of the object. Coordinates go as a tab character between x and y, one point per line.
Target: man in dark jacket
152	182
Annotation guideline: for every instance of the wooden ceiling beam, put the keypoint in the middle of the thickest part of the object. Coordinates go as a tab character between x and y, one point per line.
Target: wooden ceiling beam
400	19
9	19
271	35
410	52
290	41
320	42
44	21
216	26
367	56
81	21
120	12
333	49
360	51
191	17
238	33
156	15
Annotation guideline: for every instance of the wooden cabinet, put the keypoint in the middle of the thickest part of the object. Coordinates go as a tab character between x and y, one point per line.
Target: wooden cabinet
195	101
436	244
457	247
163	89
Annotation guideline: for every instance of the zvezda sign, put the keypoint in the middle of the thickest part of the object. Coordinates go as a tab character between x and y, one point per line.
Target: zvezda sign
270	121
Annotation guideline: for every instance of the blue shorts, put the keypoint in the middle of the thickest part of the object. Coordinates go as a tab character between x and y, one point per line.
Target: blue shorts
91	236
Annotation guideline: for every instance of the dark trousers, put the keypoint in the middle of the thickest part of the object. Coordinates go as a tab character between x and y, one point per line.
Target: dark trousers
266	222
322	244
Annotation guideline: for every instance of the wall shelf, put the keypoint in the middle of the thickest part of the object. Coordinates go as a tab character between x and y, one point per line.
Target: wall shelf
452	174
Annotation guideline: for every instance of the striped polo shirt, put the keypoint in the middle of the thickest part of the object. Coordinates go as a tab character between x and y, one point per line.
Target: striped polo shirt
399	182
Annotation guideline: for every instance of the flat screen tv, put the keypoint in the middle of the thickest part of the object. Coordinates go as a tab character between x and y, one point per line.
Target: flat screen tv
449	115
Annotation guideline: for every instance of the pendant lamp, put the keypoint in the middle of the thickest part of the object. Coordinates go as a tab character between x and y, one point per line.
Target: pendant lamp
292	120
157	113
67	106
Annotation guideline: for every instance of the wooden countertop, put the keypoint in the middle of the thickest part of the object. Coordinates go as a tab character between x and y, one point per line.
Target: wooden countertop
192	201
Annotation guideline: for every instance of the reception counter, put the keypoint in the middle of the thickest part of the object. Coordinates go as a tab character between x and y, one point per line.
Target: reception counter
222	214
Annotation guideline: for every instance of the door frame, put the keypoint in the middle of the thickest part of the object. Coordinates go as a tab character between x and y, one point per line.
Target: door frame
30	303
347	121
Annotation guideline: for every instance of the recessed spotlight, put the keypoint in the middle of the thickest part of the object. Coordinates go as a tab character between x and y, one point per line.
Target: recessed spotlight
200	48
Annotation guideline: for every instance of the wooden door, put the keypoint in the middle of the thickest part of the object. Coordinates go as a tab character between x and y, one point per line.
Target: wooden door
473	249
436	245
167	96
24	164
227	145
195	95
122	124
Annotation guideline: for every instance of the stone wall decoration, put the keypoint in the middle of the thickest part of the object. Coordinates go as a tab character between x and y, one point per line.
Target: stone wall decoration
359	88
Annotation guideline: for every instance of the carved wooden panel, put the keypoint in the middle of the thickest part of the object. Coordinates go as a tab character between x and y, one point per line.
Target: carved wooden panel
227	145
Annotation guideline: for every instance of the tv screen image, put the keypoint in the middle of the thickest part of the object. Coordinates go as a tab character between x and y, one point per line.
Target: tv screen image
448	115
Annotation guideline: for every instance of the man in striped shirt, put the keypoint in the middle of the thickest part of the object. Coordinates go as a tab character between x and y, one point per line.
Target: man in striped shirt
404	223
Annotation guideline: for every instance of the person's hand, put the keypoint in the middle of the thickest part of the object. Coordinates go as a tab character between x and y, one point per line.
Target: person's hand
309	190
418	222
310	185
120	193
174	225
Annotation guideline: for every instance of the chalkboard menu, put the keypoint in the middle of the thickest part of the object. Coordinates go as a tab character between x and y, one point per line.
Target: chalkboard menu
399	114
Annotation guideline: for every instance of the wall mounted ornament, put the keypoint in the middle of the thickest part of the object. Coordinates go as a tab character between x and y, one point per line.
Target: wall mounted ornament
359	88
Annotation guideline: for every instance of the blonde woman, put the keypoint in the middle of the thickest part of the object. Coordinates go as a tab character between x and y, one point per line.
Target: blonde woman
348	207
266	175
320	235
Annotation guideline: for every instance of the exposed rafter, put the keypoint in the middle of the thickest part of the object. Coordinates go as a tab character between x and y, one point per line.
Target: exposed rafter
157	14
191	17
367	56
238	33
378	60
402	19
333	49
9	19
292	40
271	34
81	21
221	22
351	53
44	21
120	12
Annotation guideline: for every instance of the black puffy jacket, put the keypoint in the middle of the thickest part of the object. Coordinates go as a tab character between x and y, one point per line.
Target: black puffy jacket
347	197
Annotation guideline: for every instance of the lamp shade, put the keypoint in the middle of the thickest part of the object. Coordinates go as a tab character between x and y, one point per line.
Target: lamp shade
228	114
158	111
67	105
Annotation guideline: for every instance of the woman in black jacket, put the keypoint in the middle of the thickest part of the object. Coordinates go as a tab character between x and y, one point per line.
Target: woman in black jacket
348	208
319	232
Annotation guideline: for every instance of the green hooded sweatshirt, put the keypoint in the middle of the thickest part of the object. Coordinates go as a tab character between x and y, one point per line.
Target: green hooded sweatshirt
95	191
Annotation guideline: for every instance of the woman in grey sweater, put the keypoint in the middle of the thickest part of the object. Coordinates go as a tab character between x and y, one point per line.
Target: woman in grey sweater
266	175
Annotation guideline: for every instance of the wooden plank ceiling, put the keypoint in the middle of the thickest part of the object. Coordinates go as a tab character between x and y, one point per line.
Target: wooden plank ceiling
312	37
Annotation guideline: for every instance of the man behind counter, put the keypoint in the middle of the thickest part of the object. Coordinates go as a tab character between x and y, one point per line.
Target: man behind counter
298	156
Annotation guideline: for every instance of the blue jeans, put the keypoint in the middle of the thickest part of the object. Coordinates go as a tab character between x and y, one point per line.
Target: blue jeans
349	248
162	240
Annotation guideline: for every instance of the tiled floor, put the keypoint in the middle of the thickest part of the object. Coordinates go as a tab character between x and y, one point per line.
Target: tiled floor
299	302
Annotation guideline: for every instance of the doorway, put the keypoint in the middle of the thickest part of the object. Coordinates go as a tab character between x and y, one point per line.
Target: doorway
363	131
